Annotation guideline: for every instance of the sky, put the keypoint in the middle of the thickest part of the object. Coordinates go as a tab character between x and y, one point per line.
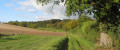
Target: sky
29	10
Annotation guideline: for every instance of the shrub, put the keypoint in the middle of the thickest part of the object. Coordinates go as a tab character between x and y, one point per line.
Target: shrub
71	25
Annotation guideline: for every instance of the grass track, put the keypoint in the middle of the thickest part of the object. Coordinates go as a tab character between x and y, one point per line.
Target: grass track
77	43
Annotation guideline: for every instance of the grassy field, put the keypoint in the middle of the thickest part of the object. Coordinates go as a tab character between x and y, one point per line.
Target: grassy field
51	29
32	42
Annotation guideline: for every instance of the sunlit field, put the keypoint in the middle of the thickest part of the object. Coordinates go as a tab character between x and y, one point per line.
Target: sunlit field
32	42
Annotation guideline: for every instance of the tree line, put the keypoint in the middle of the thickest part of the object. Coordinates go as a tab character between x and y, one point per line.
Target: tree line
65	24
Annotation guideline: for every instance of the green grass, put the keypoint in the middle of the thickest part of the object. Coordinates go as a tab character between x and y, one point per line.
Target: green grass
84	37
78	43
51	29
31	42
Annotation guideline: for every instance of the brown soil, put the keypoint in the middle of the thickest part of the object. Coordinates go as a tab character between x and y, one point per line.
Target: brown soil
12	29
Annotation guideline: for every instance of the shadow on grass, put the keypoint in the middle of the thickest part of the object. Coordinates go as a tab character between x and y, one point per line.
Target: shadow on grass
8	37
63	45
3	35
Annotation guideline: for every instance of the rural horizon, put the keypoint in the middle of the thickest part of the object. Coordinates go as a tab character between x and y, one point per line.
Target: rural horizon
60	25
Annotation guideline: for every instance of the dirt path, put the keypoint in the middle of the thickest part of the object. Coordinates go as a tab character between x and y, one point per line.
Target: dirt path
12	29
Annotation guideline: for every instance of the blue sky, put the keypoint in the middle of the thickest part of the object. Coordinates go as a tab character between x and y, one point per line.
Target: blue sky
8	12
29	10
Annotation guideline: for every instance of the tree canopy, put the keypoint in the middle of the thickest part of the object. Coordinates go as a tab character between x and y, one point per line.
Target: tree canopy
105	11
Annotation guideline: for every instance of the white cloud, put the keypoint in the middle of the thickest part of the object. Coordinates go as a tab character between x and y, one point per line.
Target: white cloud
38	18
8	5
42	18
58	10
31	10
45	13
15	0
33	4
24	16
20	8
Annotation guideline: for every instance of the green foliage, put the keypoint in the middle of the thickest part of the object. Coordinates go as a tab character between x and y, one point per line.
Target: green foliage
60	25
70	25
88	30
82	19
54	23
104	11
115	36
44	2
23	24
49	25
13	22
51	29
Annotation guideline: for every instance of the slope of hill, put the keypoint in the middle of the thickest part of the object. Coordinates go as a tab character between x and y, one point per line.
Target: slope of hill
6	28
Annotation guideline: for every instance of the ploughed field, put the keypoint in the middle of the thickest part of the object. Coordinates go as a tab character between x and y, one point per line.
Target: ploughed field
12	29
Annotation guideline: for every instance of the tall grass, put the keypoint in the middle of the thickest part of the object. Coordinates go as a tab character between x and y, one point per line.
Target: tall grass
88	30
84	37
51	29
